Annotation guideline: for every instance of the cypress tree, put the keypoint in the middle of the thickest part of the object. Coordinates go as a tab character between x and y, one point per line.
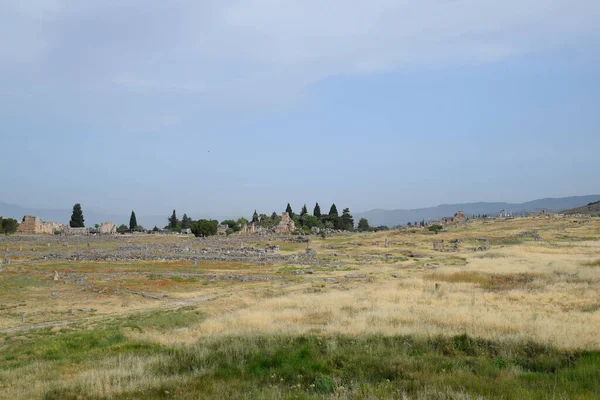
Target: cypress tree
255	216
333	210
132	221
317	211
77	220
173	220
274	215
185	221
304	211
288	210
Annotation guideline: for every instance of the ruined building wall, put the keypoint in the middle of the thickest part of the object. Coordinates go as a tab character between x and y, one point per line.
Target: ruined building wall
35	226
286	225
107	228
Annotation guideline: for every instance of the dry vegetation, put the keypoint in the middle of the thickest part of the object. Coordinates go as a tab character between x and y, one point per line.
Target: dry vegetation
521	320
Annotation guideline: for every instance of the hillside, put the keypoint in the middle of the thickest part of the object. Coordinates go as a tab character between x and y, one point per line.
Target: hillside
399	217
591	208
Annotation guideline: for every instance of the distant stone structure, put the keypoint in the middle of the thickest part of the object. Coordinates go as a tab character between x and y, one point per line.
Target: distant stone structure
35	226
248	229
107	228
286	225
186	231
222	229
458	217
482	244
453	245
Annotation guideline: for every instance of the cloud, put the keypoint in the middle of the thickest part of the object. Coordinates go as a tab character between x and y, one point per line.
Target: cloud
239	54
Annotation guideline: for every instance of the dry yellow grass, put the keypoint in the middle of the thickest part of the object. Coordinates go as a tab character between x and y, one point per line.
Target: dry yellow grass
547	292
535	290
483	294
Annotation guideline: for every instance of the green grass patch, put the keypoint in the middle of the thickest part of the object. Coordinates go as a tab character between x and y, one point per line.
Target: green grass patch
184	280
367	367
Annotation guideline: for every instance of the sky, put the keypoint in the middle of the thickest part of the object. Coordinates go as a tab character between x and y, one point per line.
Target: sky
223	107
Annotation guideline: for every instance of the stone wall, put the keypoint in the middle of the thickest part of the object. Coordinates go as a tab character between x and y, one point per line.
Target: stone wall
35	226
75	231
107	228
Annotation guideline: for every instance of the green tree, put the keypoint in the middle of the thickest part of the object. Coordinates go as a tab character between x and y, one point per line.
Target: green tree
132	221
234	226
347	221
274	215
311	221
77	220
122	228
363	225
435	228
304	211
205	227
255	216
173	221
155	229
186	222
317	211
333	210
288	210
8	225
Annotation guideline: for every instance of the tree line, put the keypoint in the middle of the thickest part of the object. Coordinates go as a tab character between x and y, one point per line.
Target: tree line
303	221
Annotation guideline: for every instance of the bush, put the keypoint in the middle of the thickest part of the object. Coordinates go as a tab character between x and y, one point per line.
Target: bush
324	384
204	228
435	228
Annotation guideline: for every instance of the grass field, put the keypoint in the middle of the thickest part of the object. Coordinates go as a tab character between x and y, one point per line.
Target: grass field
363	320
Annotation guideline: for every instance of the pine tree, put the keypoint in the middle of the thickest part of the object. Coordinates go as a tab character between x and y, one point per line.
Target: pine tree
288	210
363	225
274	215
255	216
77	220
347	220
317	211
304	211
132	221
173	220
333	210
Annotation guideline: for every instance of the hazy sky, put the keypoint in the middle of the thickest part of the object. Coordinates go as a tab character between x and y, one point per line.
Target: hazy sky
221	107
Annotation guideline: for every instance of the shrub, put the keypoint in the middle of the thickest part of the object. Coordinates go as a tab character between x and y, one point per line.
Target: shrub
435	228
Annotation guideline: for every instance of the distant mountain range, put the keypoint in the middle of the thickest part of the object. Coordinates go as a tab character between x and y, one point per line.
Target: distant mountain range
401	217
91	217
375	217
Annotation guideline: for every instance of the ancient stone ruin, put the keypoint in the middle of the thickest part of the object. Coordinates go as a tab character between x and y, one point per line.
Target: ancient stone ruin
107	228
248	229
35	226
482	244
440	245
458	217
286	225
